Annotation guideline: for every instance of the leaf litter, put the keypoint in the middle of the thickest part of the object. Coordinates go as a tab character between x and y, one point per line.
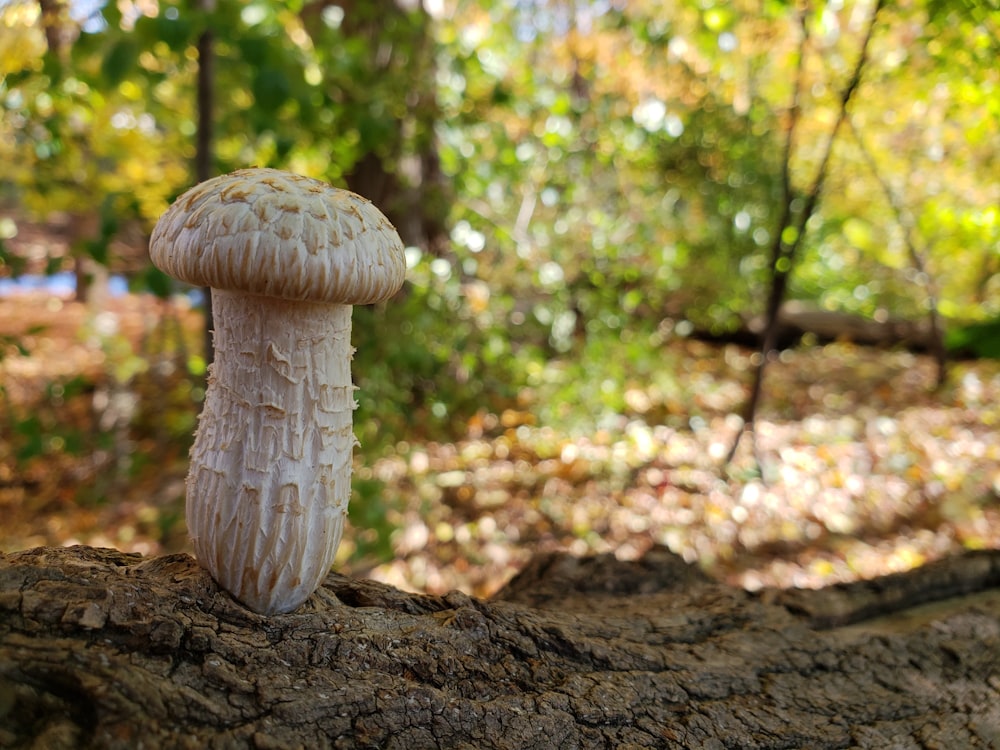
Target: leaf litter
863	470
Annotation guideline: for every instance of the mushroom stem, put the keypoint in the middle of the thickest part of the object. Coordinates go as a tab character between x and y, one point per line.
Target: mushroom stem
275	436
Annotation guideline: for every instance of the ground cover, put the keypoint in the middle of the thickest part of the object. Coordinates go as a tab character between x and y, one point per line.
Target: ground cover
859	467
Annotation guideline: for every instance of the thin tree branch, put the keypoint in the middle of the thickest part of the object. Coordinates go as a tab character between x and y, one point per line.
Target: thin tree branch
905	221
204	151
787	244
775	296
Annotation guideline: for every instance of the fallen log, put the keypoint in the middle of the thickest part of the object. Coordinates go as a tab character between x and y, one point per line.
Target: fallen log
104	649
798	320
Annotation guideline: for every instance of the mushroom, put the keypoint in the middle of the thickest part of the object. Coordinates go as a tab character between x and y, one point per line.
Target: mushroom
270	475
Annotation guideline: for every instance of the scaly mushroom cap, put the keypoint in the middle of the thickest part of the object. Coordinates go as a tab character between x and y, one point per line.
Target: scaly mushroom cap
278	234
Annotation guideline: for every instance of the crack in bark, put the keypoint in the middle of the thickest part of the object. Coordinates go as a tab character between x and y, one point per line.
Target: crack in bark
593	653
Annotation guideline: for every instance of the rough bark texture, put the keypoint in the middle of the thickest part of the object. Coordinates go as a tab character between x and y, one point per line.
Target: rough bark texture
103	649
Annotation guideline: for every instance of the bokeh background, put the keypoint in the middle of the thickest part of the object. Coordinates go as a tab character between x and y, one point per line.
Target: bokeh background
596	197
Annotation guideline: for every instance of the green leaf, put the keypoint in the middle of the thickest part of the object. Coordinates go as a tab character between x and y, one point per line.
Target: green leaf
97	249
13	263
981	339
253	50
271	89
32	436
112	15
157	282
859	233
177	33
52	66
119	62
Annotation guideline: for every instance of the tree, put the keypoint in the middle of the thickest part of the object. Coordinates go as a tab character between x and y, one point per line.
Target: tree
621	174
790	230
103	649
78	140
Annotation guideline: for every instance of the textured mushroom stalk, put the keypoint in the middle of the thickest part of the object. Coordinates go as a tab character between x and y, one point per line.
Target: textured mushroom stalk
270	474
285	256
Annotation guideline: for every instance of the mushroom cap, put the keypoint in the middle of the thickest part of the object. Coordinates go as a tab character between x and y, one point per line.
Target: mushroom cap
278	234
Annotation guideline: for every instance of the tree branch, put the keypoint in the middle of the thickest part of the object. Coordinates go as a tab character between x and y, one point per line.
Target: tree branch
103	649
787	243
204	151
919	260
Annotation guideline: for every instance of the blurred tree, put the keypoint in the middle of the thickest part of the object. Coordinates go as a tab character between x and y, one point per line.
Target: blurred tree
80	136
620	168
790	230
378	63
204	158
584	180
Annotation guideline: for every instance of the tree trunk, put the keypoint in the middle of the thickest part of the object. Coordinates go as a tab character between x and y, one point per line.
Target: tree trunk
204	155
400	172
796	319
104	649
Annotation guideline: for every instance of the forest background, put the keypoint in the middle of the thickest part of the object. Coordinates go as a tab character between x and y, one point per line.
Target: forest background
603	202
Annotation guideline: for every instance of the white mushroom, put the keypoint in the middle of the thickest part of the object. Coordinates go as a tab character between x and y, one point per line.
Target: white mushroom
270	476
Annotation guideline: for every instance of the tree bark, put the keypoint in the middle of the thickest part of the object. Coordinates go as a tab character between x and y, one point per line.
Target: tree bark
797	319
104	649
204	154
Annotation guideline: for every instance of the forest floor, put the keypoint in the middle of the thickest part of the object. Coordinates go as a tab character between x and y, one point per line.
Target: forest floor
859	467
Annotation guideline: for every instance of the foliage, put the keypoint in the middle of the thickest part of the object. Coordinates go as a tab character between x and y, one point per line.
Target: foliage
81	135
416	382
612	162
979	339
691	136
